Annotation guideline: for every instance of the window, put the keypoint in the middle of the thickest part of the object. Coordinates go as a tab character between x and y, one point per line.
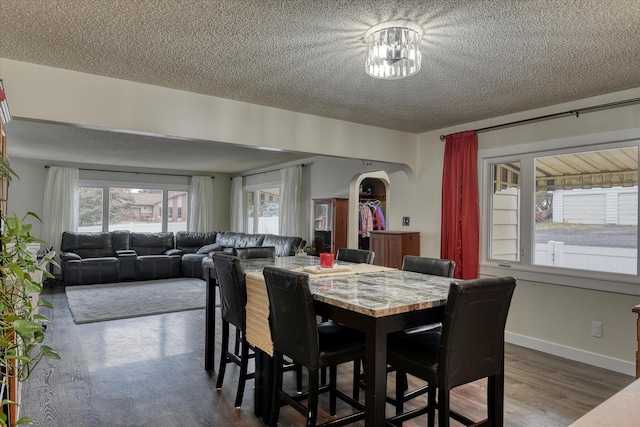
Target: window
572	209
91	209
263	211
131	208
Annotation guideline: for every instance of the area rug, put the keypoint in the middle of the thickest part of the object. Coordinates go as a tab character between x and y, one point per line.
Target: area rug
96	303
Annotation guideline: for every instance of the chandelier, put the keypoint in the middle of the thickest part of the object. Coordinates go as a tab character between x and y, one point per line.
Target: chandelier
393	51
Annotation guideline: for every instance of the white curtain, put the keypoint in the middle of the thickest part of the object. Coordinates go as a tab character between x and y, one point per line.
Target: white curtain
60	211
237	210
290	201
201	204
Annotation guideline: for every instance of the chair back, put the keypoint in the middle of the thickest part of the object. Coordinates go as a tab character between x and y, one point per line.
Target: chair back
361	256
292	315
255	252
233	289
434	266
472	344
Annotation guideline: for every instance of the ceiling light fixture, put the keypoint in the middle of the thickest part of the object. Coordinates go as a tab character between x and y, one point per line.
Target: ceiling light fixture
393	50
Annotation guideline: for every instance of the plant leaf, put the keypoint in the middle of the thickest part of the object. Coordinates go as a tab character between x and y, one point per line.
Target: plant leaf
47	351
26	328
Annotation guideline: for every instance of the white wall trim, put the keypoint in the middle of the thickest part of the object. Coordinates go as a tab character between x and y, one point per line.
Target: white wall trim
571	353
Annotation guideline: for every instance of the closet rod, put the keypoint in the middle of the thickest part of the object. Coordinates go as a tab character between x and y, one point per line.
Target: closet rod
137	173
577	112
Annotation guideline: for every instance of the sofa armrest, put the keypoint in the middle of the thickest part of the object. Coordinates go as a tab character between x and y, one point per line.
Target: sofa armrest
125	252
127	259
172	252
70	256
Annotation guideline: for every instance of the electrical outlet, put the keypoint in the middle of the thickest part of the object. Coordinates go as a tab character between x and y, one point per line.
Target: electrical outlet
405	221
596	329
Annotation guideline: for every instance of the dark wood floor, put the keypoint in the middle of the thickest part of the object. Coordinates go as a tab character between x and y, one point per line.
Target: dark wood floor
148	371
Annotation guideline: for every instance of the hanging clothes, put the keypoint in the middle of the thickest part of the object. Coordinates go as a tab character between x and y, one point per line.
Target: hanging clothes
381	221
366	220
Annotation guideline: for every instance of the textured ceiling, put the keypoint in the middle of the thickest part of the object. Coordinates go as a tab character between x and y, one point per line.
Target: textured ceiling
481	59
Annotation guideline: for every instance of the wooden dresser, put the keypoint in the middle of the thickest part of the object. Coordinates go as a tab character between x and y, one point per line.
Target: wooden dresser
390	247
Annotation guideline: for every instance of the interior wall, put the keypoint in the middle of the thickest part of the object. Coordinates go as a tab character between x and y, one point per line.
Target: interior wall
26	193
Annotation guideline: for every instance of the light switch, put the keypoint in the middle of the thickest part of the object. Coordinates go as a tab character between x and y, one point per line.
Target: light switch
405	221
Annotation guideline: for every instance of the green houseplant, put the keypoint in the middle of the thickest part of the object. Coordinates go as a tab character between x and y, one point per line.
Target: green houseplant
21	327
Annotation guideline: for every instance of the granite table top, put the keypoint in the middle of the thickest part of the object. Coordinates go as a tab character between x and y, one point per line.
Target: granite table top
382	293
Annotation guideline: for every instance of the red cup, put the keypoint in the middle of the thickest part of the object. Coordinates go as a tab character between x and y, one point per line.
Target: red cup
326	260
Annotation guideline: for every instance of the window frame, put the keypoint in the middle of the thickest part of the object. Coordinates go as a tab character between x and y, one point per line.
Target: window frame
524	269
255	188
106	185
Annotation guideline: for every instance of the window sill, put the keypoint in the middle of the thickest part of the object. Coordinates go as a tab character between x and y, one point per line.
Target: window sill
593	280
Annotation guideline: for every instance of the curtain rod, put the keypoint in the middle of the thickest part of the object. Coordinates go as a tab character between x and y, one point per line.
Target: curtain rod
577	112
137	173
273	170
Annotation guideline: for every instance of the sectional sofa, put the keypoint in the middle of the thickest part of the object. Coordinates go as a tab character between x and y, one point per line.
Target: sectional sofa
122	255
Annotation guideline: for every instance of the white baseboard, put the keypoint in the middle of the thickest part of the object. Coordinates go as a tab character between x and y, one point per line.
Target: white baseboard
617	365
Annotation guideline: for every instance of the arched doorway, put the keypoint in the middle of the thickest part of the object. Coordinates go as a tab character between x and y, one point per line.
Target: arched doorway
366	187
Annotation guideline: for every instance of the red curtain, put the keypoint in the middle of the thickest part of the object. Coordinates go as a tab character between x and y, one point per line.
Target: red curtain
460	238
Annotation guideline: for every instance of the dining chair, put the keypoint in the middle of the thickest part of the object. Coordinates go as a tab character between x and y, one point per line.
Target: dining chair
361	256
296	334
233	301
469	347
248	253
425	265
434	267
255	252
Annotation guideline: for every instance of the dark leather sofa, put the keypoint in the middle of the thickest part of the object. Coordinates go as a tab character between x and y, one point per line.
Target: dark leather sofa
121	255
227	241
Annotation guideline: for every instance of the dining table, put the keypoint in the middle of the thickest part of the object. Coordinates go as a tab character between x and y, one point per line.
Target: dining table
374	299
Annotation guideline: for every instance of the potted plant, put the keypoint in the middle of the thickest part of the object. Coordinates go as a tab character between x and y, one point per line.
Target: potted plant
21	327
304	251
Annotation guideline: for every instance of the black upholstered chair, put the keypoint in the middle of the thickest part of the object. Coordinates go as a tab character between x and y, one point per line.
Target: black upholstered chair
233	301
424	265
255	252
297	335
434	266
361	256
247	253
469	347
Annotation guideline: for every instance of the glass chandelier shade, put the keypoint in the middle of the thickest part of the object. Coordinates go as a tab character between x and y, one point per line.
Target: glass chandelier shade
393	53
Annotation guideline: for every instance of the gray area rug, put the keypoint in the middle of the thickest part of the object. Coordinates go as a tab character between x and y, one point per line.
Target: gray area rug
95	303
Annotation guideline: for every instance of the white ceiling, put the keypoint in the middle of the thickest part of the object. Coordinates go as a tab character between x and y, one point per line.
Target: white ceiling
481	59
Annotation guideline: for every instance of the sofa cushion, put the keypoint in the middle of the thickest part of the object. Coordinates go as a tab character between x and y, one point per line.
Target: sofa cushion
90	271
88	245
190	241
192	265
249	240
285	246
227	239
120	239
151	243
209	248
